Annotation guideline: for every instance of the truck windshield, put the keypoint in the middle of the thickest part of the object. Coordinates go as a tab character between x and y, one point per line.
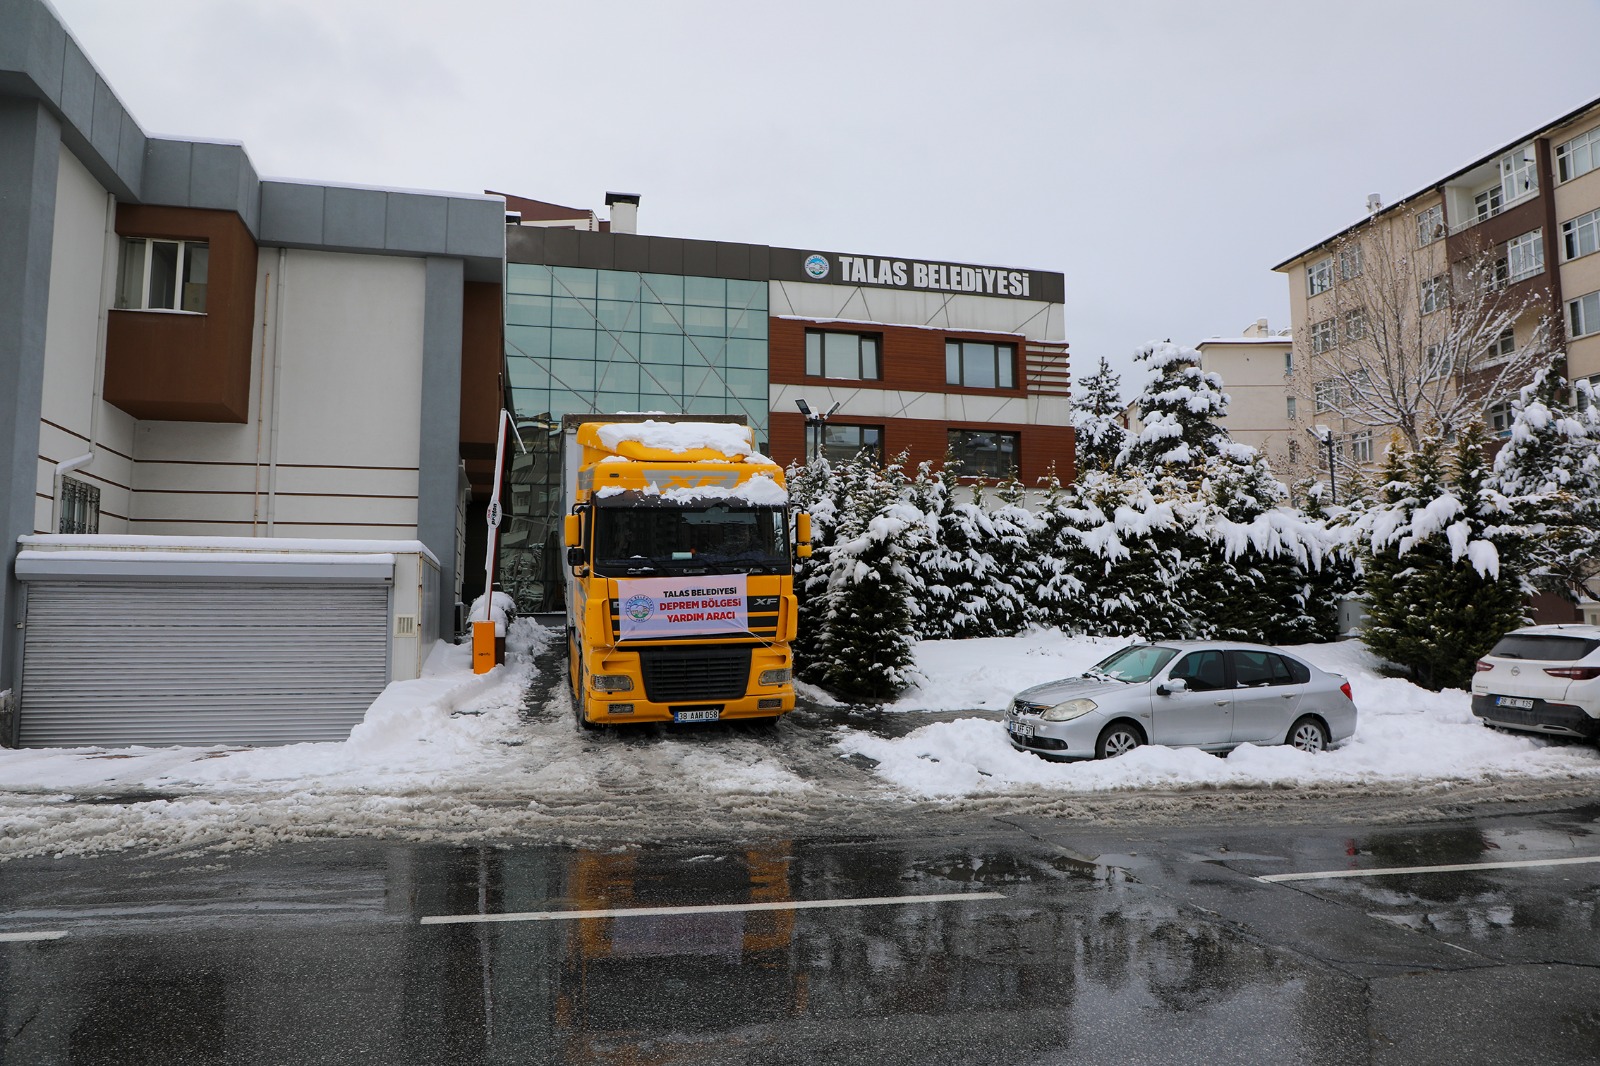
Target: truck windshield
637	540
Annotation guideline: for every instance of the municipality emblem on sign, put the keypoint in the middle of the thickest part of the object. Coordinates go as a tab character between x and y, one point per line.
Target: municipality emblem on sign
639	608
817	266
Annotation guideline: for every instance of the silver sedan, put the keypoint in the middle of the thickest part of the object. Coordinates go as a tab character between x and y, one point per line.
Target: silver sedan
1212	695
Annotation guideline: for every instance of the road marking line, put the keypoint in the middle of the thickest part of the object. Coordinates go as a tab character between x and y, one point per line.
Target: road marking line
715	908
1457	868
21	938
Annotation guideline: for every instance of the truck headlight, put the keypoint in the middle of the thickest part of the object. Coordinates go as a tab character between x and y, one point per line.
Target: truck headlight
776	677
613	683
1066	712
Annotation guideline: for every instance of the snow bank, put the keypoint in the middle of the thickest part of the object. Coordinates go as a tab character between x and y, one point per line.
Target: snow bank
1404	733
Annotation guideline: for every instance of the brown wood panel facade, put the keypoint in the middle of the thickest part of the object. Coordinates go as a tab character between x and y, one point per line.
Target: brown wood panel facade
187	367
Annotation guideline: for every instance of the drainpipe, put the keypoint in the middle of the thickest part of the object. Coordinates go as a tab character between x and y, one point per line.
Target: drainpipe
108	282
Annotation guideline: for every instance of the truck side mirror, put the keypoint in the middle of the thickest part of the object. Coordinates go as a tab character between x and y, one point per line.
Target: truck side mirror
572	531
802	535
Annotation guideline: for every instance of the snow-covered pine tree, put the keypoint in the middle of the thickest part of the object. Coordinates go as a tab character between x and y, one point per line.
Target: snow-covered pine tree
813	488
1181	409
1440	594
1057	556
1096	418
1549	470
865	639
1125	544
958	567
1017	569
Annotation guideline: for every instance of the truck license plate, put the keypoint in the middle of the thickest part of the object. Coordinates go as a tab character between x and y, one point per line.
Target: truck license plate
1021	729
696	716
1513	701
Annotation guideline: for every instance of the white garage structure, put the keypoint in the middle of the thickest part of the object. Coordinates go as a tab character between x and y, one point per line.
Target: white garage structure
156	641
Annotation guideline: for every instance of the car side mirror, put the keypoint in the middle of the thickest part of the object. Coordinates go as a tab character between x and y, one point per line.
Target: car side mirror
1174	685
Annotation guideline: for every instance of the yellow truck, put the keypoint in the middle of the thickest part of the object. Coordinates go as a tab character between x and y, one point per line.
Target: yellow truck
680	571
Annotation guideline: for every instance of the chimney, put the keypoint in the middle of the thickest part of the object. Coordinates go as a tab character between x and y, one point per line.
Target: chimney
1260	329
624	211
1374	203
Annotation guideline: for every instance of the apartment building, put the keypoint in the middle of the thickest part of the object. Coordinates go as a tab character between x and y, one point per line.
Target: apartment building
1459	290
1256	368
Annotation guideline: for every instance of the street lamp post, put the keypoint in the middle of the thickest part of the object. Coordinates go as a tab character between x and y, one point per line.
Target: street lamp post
1325	435
817	419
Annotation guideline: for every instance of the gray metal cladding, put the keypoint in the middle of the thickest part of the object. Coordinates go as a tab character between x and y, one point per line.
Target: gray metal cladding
173	662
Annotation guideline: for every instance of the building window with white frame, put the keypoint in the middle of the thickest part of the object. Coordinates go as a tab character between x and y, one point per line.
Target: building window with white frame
1325	395
832	354
1322	338
1430	225
1355	325
1361	447
1499	419
1525	255
1585	391
1319	276
163	275
1289	407
80	507
1578	156
1581	236
1350	262
980	364
1288	361
1519	174
1433	294
1583	315
1503	348
1436	362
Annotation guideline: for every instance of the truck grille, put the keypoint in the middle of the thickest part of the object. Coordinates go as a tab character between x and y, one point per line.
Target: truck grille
674	674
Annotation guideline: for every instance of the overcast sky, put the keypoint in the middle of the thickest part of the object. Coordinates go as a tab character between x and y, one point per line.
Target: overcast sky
1163	156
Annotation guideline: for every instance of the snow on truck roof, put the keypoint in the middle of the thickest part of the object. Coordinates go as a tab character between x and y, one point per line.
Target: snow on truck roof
728	439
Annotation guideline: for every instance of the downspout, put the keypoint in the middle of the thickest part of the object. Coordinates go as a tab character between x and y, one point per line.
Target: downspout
277	392
108	282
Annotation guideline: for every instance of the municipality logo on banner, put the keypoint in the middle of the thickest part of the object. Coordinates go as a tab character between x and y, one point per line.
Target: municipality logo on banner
705	605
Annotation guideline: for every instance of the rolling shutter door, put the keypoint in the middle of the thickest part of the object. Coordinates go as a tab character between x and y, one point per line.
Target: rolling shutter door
169	661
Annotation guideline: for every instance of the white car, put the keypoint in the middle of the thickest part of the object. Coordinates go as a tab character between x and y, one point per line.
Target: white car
1207	694
1542	679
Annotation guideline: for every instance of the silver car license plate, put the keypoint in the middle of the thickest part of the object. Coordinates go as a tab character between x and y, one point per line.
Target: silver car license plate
1513	701
696	716
1021	729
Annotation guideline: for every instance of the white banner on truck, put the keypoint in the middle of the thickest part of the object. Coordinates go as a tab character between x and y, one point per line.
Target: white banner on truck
683	606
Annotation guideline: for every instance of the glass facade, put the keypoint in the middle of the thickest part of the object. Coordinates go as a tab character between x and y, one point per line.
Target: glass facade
583	341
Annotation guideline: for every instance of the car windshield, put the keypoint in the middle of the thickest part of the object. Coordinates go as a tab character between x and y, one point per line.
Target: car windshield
1138	663
640	539
1551	648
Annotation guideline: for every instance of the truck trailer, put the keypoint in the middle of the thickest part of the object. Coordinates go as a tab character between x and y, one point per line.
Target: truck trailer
680	601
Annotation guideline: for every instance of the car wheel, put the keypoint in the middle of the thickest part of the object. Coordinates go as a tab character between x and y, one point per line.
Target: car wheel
1308	734
1118	738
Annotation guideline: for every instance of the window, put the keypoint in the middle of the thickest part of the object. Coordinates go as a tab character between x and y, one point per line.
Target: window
1436	362
1322	336
1487	203
1519	175
842	355
980	364
1581	235
1584	391
1577	156
1433	294
1361	447
1202	670
1254	669
1319	276
1294	450
1430	225
157	275
1325	395
1525	255
1350	262
1583	315
1503	348
80	507
1355	325
1289	405
1288	361
984	453
1499	419
843	443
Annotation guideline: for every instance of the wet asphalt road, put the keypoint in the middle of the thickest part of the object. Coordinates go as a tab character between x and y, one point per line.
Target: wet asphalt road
1064	946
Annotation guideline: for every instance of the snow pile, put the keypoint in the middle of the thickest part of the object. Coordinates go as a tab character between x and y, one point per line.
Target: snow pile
1404	734
500	613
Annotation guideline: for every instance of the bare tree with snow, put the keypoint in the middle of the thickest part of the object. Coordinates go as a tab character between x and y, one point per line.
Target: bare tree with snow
1410	341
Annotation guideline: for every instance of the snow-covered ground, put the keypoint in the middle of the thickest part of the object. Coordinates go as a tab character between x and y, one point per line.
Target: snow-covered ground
454	756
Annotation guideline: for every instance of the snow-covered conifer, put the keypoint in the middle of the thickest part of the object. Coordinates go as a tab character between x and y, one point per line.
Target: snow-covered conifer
1096	418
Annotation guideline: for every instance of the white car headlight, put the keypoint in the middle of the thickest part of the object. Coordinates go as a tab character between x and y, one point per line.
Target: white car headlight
1066	712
